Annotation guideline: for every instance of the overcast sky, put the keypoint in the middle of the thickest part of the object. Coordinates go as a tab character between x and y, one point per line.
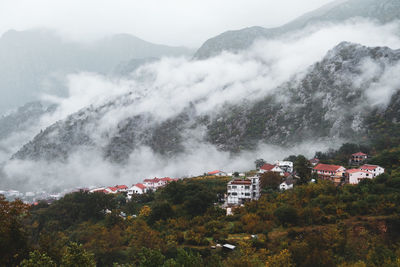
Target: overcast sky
173	22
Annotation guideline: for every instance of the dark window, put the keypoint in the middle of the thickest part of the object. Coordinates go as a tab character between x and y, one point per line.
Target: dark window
247	187
234	194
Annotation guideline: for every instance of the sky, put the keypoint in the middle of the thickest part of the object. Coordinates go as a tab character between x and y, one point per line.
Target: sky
172	22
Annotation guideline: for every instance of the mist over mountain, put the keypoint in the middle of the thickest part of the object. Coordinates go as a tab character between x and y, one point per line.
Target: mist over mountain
330	101
34	62
382	11
20	126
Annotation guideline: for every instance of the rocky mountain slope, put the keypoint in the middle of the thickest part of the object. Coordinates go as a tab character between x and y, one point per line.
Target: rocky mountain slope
337	11
332	100
36	61
19	126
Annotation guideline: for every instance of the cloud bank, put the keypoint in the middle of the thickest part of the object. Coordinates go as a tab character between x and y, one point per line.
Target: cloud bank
165	88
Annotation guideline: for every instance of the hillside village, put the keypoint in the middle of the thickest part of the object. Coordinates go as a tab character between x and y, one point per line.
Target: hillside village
242	187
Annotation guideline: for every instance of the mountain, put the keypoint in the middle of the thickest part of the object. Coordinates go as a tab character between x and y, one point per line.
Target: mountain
36	61
332	100
381	10
19	126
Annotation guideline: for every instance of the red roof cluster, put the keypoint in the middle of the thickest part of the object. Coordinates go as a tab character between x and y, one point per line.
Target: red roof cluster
327	167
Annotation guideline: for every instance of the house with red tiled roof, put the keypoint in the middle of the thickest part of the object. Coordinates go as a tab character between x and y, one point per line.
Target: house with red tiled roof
271	168
327	171
136	189
241	190
358	157
153	184
354	176
374	169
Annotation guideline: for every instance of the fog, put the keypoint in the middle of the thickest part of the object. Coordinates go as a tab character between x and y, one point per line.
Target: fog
165	88
163	22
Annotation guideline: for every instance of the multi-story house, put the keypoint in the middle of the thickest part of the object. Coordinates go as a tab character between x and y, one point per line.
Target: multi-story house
354	176
242	190
327	171
374	169
358	157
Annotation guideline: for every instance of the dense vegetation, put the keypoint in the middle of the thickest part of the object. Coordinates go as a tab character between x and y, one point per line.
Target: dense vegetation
312	225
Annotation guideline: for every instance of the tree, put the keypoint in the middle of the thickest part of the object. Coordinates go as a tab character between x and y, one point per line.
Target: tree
150	258
302	168
77	256
36	259
160	211
13	237
270	180
259	163
286	214
145	211
283	259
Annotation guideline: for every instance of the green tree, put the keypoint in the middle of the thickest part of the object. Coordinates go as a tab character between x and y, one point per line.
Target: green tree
37	259
270	180
302	168
13	236
286	214
283	259
77	256
150	258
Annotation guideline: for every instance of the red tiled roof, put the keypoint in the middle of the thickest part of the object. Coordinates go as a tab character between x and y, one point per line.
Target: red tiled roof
241	182
154	180
326	167
141	186
121	186
267	167
369	167
359	154
314	160
214	172
355	171
112	188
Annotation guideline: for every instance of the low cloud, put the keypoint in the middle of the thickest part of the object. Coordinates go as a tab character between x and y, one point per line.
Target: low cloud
165	88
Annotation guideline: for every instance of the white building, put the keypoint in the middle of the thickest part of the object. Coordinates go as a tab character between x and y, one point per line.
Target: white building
136	189
356	175
374	169
242	190
287	184
286	166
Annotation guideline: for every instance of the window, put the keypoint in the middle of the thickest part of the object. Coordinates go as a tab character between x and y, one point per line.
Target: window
247	187
229	187
247	194
234	187
234	194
